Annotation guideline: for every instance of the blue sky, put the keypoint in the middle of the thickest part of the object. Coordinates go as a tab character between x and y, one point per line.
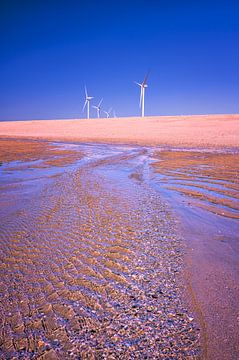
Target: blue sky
50	49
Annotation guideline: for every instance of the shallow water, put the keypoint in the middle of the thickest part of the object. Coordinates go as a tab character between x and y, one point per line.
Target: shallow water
210	179
202	188
90	253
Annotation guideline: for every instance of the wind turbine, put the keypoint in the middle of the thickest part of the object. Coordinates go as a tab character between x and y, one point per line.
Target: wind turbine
87	102
108	113
114	114
98	108
143	86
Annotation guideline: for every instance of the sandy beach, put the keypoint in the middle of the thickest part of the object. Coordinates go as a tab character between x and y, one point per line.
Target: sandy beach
120	251
196	130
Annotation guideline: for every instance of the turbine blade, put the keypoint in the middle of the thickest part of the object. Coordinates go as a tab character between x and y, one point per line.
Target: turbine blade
100	102
84	106
109	111
86	95
146	78
137	83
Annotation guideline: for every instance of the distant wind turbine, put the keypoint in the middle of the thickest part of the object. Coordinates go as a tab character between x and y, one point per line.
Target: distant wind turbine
108	112
114	113
87	102
143	86
98	108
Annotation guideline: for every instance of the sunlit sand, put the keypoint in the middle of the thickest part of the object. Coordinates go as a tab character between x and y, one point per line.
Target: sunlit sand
204	130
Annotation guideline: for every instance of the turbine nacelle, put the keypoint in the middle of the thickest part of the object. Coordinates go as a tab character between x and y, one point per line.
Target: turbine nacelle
141	85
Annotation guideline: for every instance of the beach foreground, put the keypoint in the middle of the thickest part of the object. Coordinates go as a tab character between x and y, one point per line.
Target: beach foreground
196	130
88	260
115	252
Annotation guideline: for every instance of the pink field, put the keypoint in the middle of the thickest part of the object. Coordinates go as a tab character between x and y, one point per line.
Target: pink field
196	130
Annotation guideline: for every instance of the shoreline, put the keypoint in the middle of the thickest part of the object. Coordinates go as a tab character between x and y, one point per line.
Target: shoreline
122	142
211	243
163	147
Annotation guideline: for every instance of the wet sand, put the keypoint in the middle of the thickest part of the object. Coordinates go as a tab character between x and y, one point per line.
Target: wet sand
94	262
209	178
202	188
195	130
89	263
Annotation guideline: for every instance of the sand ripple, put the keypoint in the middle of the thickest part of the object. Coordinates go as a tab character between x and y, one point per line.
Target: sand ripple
88	270
209	180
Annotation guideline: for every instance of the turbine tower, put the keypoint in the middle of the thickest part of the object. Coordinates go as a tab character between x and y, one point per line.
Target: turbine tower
108	113
87	102
98	108
143	86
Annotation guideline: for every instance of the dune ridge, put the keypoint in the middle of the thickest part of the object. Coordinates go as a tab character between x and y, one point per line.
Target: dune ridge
193	130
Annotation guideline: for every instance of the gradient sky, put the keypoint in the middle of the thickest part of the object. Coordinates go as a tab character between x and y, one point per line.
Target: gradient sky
50	49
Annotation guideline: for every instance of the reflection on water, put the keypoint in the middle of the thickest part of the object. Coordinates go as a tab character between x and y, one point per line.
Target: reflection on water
89	259
209	180
202	188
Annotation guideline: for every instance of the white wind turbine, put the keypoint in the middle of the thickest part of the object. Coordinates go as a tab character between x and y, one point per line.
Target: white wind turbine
87	102
143	86
108	113
98	108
